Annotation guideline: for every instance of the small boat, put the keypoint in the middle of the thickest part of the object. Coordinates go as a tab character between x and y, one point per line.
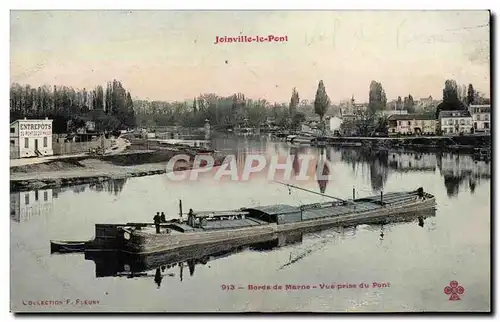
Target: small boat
302	140
320	141
67	246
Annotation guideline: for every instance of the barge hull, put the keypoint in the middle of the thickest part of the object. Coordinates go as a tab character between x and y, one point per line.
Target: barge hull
141	242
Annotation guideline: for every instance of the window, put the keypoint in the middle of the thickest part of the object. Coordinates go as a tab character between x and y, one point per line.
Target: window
45	196
478	117
26	143
450	122
456	121
445	130
409	123
469	122
486	125
12	142
486	117
12	130
45	142
399	123
36	195
462	122
27	199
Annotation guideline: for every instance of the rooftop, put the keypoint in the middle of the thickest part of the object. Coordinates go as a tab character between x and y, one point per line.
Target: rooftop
480	108
407	117
455	113
275	209
31	120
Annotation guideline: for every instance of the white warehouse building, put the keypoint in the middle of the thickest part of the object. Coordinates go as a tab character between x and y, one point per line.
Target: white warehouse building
31	138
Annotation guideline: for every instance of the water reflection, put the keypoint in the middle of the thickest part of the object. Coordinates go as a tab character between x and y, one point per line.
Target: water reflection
114	186
456	169
172	264
322	170
26	205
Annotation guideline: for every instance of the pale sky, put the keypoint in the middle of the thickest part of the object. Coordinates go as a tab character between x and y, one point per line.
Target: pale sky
167	55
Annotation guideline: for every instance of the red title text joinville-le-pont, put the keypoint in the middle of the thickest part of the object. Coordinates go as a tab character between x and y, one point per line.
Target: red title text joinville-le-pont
250	39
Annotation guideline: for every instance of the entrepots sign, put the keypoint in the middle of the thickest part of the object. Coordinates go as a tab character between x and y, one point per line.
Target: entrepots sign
35	129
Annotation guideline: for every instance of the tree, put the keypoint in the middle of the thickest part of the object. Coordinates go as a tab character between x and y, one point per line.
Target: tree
129	120
98	98
462	94
470	95
382	125
294	102
195	109
377	99
480	98
410	100
322	101
450	91
298	119
450	98
409	105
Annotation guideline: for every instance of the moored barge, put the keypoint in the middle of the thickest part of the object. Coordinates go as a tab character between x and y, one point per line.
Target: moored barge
224	226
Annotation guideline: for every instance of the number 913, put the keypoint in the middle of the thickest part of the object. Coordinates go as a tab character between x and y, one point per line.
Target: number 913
228	287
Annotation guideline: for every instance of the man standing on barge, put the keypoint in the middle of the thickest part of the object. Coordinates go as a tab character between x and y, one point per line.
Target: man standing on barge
157	220
191	218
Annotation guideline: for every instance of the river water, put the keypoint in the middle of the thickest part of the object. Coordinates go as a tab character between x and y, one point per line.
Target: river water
400	266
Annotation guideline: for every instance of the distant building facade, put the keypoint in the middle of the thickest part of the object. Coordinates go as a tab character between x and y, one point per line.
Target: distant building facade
334	123
31	138
425	103
411	124
455	122
394	112
481	117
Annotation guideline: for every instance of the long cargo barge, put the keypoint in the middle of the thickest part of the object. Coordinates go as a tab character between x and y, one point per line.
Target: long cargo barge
224	226
119	264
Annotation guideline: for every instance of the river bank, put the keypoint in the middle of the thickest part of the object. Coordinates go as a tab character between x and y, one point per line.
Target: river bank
87	169
466	143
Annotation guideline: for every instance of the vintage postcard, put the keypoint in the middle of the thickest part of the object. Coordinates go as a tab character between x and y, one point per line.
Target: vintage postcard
250	161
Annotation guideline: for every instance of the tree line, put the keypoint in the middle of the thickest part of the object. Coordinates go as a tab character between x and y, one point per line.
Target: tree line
110	109
220	111
456	97
231	111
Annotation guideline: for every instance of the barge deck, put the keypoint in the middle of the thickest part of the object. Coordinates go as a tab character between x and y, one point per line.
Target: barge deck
202	228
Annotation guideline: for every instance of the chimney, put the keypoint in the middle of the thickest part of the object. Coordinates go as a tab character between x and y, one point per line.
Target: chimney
25	118
46	118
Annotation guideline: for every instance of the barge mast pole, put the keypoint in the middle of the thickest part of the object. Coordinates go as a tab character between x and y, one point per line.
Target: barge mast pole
317	193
